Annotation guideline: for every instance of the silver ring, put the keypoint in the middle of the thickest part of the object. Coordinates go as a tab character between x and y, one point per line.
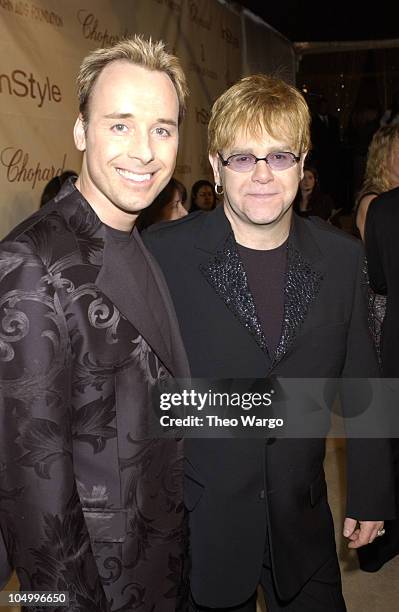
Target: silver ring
380	532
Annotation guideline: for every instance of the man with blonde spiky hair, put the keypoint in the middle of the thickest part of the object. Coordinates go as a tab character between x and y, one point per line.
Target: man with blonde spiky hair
89	505
260	292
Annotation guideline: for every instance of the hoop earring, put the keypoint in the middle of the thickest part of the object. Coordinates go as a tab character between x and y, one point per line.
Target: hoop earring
217	191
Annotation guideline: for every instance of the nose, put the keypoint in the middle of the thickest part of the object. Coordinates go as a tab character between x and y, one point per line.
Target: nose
140	147
262	172
182	212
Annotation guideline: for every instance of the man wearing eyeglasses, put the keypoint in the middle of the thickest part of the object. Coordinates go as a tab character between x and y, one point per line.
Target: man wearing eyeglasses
260	292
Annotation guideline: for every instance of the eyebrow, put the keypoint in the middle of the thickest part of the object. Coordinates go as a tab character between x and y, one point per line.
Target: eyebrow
273	149
131	116
119	116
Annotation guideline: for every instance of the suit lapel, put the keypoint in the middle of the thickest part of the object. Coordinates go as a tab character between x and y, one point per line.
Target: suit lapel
302	285
225	273
125	279
164	314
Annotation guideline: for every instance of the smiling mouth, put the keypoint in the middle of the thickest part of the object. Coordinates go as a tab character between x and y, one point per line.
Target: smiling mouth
262	195
132	176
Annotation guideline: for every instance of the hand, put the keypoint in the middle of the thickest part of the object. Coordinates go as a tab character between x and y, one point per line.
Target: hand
361	533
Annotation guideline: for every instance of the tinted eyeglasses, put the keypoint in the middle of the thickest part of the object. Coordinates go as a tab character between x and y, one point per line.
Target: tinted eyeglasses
245	162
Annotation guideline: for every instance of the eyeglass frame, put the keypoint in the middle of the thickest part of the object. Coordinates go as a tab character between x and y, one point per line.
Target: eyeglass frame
225	162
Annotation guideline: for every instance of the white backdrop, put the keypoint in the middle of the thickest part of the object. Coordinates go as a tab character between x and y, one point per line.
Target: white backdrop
42	43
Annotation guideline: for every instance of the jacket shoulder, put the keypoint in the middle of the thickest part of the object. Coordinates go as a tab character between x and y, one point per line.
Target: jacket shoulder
167	232
387	202
46	234
332	237
185	222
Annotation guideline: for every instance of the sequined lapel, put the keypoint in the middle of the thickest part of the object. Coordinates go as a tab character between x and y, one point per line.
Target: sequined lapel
302	284
226	274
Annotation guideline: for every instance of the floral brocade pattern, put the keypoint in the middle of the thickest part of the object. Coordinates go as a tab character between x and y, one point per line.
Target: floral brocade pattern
88	505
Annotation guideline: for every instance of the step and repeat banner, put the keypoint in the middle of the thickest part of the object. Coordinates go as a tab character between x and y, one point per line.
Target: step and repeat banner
42	44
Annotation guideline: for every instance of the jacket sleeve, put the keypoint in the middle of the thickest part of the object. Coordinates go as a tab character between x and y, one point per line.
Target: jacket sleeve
370	476
43	535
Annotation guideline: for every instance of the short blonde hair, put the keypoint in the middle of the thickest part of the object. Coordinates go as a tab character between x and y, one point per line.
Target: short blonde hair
145	53
257	103
377	176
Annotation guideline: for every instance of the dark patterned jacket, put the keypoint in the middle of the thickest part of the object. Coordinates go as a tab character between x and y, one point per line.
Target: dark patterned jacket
89	504
244	493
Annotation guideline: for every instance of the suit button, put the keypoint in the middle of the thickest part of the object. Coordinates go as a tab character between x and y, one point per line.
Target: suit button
270	441
261	494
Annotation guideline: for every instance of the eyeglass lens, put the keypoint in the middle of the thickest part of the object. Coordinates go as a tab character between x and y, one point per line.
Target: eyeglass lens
276	161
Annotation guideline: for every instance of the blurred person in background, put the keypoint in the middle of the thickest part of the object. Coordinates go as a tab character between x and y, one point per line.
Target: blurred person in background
362	125
54	185
310	200
382	174
382	171
391	115
168	206
326	151
203	196
378	223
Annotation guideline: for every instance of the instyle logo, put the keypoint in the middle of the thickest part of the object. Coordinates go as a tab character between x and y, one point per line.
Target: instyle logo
23	85
196	18
91	31
19	168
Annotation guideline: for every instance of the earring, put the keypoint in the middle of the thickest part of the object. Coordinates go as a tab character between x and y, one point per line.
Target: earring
219	190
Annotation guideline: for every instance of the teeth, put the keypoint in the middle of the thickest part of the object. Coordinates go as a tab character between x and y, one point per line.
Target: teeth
134	177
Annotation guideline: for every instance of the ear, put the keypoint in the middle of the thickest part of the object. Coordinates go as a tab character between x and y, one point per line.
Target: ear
79	134
301	164
214	161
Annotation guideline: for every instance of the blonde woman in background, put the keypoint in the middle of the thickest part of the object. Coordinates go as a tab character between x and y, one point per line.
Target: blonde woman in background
382	171
382	174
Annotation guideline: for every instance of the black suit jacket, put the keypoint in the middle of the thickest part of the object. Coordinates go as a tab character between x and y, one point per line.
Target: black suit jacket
88	503
324	334
382	248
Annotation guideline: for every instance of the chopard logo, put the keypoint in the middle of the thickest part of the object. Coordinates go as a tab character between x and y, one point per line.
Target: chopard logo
19	169
91	31
195	17
202	115
203	70
171	4
23	85
229	37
